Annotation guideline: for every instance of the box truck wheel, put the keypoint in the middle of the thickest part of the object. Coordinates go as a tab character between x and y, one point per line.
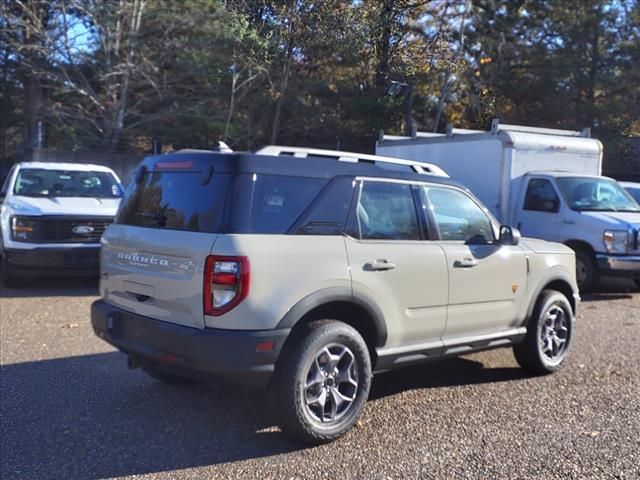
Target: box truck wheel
587	272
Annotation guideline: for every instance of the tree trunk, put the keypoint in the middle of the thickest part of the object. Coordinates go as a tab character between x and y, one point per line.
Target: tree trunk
283	88
4	111
234	82
32	109
408	112
382	69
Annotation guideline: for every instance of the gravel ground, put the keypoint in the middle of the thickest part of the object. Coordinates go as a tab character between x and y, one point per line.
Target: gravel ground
71	409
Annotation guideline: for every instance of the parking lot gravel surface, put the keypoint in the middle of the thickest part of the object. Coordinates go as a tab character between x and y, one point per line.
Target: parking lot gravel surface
70	408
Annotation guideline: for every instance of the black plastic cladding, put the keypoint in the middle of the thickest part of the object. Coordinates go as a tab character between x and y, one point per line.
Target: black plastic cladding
313	167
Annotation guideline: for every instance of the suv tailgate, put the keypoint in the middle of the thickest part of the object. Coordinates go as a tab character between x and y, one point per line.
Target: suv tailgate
155	273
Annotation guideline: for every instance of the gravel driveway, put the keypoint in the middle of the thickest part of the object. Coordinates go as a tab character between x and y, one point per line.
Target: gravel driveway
71	409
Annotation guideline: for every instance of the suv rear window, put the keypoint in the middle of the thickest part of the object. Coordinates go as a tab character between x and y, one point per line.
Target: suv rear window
175	200
185	200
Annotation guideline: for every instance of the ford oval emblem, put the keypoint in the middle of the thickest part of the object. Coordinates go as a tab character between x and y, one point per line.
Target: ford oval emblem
82	229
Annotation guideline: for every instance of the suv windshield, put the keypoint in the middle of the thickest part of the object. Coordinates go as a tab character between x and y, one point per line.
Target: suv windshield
38	182
596	194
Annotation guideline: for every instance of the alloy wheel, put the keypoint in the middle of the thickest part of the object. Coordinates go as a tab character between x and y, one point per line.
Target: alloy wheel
554	334
331	384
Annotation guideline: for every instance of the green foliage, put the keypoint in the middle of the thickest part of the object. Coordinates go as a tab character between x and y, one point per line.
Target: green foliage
317	73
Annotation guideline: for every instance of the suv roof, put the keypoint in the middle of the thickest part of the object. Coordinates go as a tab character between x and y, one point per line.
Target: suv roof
265	162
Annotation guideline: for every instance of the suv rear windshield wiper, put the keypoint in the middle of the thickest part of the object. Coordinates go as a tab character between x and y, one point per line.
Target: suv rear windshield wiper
160	218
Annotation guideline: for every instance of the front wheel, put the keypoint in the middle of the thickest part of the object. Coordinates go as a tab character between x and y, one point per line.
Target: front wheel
587	272
549	335
322	382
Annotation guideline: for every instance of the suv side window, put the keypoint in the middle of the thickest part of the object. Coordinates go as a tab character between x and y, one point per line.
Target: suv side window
386	211
457	216
328	212
541	196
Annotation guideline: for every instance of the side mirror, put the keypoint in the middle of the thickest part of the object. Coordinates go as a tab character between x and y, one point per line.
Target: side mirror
509	235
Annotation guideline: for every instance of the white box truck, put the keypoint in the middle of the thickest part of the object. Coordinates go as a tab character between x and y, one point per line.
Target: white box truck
545	182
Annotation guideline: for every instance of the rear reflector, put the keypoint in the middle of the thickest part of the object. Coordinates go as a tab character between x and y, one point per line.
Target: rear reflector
168	358
265	346
226	283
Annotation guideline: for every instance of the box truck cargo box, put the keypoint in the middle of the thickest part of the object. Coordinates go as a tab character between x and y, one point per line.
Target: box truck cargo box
545	182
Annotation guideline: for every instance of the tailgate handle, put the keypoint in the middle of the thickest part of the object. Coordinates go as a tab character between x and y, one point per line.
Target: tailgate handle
141	298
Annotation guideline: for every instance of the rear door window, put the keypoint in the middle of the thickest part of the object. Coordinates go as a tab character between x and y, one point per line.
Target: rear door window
386	211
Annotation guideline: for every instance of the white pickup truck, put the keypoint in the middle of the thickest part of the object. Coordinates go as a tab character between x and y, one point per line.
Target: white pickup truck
545	182
52	216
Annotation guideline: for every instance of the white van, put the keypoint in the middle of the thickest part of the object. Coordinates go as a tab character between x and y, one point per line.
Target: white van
545	182
52	216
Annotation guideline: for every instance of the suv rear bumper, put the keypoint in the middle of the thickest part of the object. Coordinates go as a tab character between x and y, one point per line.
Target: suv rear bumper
619	265
209	353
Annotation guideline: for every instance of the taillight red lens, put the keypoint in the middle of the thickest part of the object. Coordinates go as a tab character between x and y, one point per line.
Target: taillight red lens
226	283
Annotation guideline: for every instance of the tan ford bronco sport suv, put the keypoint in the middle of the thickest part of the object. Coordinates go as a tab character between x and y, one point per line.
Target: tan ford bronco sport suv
304	272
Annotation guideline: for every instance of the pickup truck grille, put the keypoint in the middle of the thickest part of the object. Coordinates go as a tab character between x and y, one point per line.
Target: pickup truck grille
71	229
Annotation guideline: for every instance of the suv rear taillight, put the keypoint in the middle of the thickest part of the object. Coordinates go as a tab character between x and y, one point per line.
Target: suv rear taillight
226	283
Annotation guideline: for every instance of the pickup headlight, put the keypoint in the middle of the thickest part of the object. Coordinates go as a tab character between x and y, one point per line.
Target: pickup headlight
23	229
616	241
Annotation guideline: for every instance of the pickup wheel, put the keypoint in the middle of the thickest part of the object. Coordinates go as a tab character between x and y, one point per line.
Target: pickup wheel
587	271
158	373
322	382
549	335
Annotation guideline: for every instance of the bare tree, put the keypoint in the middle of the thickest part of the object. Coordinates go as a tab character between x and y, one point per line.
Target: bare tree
88	50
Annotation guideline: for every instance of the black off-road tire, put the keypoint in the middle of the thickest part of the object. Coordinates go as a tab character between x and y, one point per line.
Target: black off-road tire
529	353
158	373
287	390
587	271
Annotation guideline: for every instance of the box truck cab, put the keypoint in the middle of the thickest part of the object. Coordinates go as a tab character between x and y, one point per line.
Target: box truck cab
545	182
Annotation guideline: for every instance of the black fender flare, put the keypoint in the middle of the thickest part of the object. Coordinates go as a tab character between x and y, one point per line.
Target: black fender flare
557	276
337	294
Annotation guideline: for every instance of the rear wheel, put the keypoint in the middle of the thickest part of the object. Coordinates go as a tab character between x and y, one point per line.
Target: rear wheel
157	372
322	383
587	272
549	335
